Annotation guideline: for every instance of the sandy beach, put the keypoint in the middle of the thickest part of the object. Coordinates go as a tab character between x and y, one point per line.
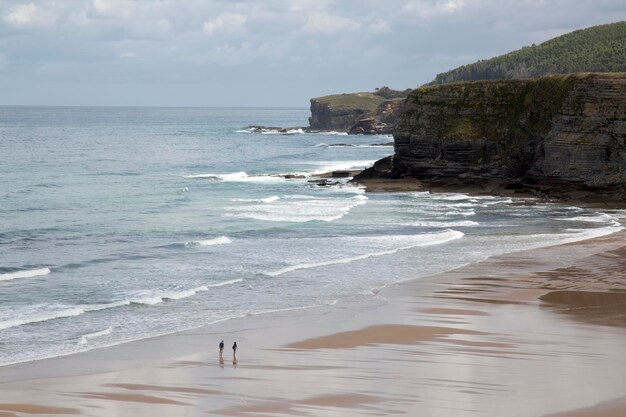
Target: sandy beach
535	333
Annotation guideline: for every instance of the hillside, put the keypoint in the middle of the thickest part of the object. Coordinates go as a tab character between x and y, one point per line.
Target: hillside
595	49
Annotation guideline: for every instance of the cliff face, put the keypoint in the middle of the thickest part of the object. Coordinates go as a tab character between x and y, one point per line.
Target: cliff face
348	112
562	131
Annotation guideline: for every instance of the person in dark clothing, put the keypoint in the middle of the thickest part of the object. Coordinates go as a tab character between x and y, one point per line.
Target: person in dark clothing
221	350
235	351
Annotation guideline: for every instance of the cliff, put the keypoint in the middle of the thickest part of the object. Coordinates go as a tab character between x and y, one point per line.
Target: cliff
547	136
355	113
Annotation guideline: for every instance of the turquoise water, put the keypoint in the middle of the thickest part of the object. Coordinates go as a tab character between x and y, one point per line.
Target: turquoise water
118	224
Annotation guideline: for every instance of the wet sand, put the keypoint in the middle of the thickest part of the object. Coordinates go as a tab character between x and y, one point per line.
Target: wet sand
536	333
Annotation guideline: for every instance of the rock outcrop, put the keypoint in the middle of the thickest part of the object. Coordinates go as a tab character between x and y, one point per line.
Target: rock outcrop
365	113
551	135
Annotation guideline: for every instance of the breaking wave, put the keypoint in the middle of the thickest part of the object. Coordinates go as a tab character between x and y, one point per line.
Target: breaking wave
29	273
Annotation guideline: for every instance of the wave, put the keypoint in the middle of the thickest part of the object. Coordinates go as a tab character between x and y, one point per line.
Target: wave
152	297
225	283
84	339
427	239
29	273
464	213
266	200
41	313
284	131
240	176
222	240
329	166
46	312
598	218
460	223
292	210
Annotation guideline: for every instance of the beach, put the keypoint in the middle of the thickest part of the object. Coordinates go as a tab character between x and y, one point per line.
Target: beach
533	333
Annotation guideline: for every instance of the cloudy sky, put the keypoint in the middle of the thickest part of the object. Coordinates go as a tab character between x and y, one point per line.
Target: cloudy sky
259	53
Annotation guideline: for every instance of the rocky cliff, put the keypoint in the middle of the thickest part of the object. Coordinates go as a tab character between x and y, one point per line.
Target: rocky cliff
354	113
557	133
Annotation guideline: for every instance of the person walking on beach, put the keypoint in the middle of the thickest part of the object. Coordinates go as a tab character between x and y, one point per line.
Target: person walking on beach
221	350
235	352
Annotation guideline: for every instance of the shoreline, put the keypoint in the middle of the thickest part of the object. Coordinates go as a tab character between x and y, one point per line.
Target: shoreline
454	316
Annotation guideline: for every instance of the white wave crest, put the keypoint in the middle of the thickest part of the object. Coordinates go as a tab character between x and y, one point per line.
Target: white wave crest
464	213
84	339
293	210
40	313
30	273
222	240
298	131
598	218
225	283
408	242
240	176
329	166
460	223
266	200
152	297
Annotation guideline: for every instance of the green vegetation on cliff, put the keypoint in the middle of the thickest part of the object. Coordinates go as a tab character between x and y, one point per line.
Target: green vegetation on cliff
595	49
350	102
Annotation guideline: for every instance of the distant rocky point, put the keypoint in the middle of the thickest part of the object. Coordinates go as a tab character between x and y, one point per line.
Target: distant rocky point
358	113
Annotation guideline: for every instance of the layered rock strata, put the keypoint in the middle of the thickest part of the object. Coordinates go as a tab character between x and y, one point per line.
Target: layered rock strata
553	134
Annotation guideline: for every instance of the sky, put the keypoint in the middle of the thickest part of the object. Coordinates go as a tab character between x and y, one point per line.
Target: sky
259	53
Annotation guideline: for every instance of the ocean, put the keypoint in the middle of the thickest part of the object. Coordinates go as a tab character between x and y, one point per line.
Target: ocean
119	224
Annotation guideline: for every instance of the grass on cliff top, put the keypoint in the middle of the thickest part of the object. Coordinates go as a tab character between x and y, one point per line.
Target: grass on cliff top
363	101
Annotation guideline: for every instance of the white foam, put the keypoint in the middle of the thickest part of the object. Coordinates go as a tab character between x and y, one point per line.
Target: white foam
329	166
561	239
460	223
152	297
598	218
266	200
225	283
300	210
30	273
240	176
408	242
40	313
298	131
464	213
452	197
222	240
84	339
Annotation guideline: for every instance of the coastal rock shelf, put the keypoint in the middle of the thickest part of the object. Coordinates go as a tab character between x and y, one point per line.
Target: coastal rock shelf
554	134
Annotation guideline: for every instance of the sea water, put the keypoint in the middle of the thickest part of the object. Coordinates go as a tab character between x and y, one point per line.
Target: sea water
118	224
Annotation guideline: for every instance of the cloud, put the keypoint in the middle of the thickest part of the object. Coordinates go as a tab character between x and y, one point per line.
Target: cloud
112	8
128	55
325	23
225	23
29	15
430	8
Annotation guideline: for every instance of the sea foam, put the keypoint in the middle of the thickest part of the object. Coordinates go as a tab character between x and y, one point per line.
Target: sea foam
408	242
291	210
29	273
84	339
222	240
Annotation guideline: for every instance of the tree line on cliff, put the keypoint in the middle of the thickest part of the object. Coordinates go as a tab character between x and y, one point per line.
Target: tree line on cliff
596	49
